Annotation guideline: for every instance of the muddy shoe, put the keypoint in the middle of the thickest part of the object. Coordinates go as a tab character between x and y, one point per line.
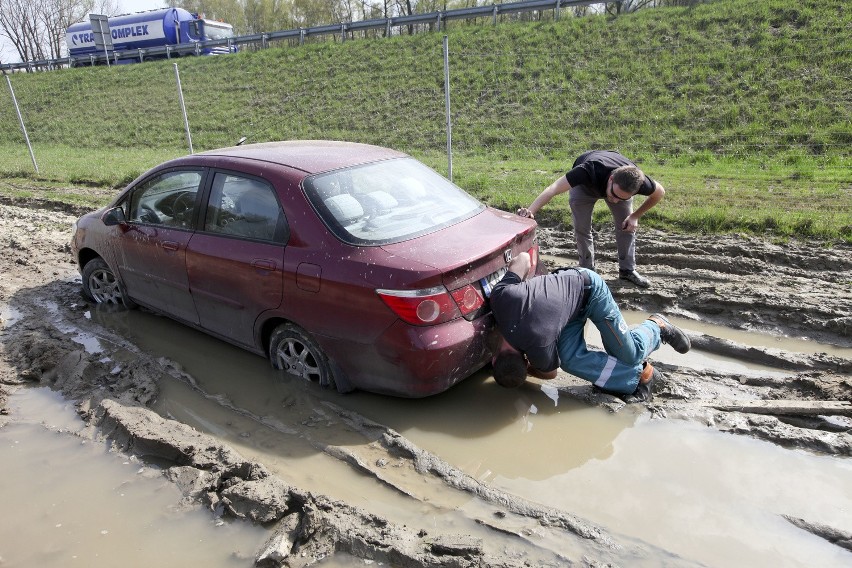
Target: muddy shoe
634	277
671	334
644	392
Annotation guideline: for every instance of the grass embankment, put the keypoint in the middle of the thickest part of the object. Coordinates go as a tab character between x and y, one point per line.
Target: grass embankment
740	108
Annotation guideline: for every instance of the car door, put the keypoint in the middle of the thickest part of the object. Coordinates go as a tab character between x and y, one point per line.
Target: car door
161	213
235	261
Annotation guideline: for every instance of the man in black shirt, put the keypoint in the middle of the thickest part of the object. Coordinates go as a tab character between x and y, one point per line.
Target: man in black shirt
604	174
541	319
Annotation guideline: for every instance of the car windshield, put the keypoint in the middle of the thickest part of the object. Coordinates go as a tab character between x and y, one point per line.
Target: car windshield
387	202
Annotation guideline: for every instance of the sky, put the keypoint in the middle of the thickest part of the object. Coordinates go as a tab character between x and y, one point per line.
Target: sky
9	55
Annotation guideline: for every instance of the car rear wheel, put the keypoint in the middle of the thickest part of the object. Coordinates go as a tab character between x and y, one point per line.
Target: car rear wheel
292	350
102	286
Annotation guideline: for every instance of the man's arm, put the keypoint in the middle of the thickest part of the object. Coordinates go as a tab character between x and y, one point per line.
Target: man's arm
632	221
561	185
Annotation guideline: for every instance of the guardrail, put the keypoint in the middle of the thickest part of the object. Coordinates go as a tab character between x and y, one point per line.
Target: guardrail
262	39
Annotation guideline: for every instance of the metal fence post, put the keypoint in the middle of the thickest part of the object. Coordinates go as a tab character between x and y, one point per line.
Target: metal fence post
21	121
447	105
183	109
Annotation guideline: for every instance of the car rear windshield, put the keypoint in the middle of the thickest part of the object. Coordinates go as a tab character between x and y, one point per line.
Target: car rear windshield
387	202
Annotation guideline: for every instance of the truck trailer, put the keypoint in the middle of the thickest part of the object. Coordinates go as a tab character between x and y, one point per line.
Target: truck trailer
173	27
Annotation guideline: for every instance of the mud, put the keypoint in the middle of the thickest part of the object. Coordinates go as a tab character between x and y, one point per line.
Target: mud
786	288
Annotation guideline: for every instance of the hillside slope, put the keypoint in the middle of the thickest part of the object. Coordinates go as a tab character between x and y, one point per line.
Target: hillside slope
730	99
728	77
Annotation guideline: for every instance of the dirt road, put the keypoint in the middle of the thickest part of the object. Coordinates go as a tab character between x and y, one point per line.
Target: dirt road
796	289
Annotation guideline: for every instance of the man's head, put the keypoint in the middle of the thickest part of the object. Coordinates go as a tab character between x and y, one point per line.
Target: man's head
510	366
624	183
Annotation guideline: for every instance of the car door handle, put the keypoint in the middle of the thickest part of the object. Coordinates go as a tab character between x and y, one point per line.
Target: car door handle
263	264
170	245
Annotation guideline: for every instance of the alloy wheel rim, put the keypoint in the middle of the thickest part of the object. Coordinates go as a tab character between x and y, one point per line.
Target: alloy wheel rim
104	287
296	358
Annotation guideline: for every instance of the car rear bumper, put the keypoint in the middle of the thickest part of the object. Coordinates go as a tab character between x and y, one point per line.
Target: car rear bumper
414	361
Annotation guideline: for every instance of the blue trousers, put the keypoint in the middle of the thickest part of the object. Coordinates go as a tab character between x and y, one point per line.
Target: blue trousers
618	369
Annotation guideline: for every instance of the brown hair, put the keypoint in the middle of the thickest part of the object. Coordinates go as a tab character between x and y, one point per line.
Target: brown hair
628	178
510	369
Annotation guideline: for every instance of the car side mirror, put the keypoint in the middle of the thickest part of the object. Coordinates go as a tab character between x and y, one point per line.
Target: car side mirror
114	216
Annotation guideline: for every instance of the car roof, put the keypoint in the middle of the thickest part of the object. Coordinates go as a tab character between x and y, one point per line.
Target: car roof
310	156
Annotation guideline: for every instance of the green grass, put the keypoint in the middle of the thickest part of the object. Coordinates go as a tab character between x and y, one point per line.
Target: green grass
718	197
82	165
740	108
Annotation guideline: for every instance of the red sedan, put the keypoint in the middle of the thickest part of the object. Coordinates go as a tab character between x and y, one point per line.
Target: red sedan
351	265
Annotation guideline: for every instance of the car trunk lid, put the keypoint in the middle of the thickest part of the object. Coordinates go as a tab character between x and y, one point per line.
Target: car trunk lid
470	250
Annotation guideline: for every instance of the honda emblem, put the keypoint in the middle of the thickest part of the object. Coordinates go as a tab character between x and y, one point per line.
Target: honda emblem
507	255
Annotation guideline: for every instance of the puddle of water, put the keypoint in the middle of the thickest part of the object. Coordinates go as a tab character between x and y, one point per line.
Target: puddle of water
709	497
67	502
89	342
702	360
751	338
695	359
299	460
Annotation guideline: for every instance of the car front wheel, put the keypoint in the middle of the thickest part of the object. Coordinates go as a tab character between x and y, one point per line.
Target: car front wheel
100	285
292	350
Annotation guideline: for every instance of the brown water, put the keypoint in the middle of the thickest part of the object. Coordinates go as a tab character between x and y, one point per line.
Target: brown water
68	502
709	497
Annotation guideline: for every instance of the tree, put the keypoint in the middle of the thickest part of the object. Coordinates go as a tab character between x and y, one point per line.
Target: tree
617	7
231	11
36	28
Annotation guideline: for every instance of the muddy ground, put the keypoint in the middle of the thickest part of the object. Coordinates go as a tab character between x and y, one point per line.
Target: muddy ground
792	288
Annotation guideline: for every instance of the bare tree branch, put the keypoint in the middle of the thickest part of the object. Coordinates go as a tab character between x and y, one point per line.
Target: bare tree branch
36	28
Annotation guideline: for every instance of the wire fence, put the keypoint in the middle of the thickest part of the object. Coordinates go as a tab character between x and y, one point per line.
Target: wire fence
502	101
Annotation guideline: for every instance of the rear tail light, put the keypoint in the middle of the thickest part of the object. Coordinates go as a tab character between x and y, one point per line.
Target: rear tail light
421	307
432	306
533	252
468	299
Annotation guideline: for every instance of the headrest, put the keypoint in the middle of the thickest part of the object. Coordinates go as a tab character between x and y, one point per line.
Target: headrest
344	208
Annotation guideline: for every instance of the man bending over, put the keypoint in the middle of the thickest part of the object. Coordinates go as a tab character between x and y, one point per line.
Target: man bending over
541	319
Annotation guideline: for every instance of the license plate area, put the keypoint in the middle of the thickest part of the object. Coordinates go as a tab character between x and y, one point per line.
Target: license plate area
491	280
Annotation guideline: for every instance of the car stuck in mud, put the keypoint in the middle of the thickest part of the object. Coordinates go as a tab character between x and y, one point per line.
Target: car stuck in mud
479	475
350	265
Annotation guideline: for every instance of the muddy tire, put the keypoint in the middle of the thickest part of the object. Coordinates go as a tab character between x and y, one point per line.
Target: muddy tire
102	286
292	350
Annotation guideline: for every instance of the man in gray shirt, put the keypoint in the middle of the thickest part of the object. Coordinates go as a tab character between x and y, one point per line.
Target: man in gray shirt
541	319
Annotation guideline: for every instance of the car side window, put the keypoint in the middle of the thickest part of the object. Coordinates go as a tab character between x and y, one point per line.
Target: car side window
168	199
244	207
